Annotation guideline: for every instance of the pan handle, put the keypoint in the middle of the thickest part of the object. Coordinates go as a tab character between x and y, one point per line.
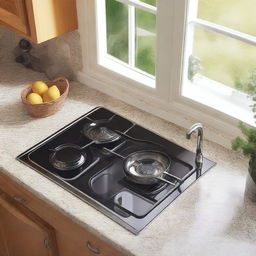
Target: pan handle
173	176
166	181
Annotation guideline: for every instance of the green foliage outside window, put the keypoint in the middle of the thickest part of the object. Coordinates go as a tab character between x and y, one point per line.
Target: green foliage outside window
248	144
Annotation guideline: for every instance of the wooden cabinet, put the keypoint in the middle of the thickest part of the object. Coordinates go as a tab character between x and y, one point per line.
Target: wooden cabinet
70	246
39	20
71	238
23	232
14	13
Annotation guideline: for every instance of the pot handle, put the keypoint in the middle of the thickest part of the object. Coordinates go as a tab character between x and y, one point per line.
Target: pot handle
166	181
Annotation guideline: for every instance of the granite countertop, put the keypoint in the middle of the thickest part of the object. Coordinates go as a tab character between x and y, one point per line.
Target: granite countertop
212	217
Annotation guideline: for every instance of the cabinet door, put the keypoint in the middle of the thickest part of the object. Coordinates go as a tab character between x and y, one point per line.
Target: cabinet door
3	245
13	13
24	233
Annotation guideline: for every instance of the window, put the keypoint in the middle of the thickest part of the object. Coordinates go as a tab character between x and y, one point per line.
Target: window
131	33
127	38
167	57
221	55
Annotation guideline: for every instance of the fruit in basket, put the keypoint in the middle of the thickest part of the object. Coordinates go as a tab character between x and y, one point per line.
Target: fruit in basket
39	87
34	98
52	93
46	98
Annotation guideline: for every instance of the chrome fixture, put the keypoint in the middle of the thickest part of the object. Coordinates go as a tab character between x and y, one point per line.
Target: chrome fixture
199	156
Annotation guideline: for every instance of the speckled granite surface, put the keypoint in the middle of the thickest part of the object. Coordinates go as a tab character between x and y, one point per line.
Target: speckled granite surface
211	218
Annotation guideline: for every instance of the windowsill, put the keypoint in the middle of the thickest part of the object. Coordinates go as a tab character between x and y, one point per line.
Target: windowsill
120	68
220	97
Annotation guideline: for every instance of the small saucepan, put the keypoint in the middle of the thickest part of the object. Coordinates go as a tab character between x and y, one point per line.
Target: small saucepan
146	167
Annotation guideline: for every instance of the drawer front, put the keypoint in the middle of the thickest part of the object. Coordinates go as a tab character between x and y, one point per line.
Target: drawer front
83	243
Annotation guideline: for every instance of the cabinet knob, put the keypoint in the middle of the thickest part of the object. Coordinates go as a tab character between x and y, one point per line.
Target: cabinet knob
92	249
47	243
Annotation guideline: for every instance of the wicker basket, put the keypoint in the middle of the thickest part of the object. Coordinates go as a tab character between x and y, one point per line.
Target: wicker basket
47	108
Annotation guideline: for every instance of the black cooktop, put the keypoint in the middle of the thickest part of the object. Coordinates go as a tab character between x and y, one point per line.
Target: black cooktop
87	157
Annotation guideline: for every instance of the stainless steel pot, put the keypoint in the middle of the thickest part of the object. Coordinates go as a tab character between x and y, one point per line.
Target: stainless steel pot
147	167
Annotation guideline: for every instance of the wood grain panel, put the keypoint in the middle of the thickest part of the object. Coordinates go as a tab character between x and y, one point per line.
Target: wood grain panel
24	232
71	237
10	6
13	14
52	17
39	20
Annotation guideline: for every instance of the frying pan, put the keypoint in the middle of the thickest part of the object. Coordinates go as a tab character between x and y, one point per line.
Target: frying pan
146	167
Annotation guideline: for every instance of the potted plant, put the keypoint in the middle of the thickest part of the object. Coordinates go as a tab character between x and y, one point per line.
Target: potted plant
248	147
248	144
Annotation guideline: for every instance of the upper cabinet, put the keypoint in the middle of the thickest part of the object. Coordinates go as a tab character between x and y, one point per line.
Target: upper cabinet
39	20
13	12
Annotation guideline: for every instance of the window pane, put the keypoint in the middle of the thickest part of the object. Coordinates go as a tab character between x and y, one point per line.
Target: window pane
117	29
222	58
236	14
151	2
145	41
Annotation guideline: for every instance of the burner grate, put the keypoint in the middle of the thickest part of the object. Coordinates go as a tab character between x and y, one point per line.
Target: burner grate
67	157
99	132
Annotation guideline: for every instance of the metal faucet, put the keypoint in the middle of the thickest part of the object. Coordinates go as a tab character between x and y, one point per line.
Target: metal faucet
199	156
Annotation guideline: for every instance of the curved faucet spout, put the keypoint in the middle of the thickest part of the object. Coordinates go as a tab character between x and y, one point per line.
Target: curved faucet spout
199	156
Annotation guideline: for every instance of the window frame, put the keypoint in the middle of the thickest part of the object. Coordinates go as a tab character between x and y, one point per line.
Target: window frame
112	63
230	94
166	99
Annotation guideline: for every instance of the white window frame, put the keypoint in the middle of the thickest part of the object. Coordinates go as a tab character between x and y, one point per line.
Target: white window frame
165	99
227	100
108	61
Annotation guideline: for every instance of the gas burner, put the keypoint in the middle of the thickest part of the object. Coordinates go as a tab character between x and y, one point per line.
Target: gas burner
67	157
100	133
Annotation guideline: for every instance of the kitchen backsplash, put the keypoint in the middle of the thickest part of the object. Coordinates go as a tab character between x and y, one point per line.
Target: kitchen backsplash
57	57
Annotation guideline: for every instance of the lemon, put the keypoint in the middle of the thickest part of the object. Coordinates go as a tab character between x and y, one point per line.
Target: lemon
34	98
39	87
52	93
46	98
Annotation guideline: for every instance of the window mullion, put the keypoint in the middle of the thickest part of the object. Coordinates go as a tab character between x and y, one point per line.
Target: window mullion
171	27
140	5
192	10
132	35
225	31
101	26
